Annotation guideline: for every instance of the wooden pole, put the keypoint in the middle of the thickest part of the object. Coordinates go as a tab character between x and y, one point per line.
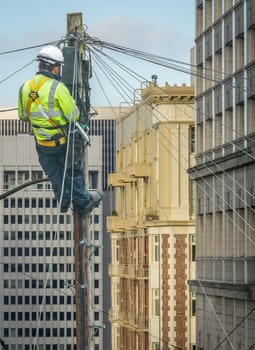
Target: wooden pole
75	26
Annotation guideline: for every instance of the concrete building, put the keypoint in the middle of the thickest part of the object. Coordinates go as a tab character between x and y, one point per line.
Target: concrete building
224	174
152	228
103	134
37	263
37	257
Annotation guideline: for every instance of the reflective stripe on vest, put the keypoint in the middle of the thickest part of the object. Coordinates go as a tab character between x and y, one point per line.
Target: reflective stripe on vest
34	97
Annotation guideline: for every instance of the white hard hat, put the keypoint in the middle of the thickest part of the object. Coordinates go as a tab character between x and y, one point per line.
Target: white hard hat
51	55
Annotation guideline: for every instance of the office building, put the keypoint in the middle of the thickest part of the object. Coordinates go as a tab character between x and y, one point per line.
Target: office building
37	248
224	174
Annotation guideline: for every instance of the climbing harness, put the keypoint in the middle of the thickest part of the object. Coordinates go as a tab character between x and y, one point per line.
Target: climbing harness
34	97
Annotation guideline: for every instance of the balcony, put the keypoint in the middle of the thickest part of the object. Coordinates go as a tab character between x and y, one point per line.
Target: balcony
131	222
116	224
129	320
139	170
113	180
125	178
128	271
119	179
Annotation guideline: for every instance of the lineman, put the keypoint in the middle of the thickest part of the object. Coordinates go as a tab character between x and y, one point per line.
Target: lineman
46	103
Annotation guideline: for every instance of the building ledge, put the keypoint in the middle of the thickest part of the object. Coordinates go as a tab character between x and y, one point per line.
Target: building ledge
230	290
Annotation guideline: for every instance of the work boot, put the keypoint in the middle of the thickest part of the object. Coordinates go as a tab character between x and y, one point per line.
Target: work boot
95	199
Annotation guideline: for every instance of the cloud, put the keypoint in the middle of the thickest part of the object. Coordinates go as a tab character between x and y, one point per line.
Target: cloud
158	39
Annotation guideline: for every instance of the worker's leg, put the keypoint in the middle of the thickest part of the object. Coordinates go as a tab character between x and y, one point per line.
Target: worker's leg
52	160
75	181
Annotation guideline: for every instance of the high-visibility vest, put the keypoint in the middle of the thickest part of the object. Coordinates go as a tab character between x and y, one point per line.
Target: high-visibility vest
48	105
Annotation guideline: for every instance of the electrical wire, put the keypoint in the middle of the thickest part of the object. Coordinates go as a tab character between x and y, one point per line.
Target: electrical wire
209	169
117	86
29	47
168	343
211	306
17	71
230	342
156	59
200	282
230	177
171	345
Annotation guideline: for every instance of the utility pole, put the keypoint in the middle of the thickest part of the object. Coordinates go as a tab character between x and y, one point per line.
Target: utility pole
76	50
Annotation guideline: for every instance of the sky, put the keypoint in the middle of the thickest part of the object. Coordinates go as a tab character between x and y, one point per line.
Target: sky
163	27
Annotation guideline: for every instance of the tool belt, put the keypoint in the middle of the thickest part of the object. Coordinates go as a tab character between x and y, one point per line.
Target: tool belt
52	143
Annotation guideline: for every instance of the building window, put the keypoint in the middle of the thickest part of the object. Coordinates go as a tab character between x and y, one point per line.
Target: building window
192	139
193	305
9	180
40	251
192	197
96	332
155	346
23	176
96	251
193	248
93	179
33	203
156	301
156	250
68	251
36	175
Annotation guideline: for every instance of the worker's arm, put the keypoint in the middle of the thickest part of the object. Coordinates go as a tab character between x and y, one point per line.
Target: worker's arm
21	110
67	103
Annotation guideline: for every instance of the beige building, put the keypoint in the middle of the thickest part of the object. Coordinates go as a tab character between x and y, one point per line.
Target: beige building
224	174
152	228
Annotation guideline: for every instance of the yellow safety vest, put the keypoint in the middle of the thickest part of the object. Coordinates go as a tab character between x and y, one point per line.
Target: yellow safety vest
48	105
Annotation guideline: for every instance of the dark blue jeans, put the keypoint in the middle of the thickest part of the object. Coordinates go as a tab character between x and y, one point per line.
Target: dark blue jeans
52	160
